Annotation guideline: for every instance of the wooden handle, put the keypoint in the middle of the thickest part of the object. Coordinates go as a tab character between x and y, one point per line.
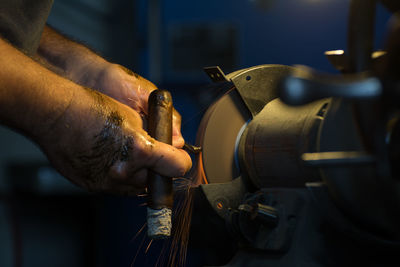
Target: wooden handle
160	128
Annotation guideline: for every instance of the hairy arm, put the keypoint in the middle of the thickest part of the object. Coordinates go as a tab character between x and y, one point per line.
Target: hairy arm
81	65
93	140
70	59
31	97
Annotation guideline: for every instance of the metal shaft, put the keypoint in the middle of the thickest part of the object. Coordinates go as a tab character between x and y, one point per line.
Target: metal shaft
160	188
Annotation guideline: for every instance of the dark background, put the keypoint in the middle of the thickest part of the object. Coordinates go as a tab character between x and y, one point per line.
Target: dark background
46	221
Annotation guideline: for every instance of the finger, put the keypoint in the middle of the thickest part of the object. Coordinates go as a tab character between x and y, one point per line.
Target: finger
123	173
177	138
144	88
178	141
139	179
169	161
147	153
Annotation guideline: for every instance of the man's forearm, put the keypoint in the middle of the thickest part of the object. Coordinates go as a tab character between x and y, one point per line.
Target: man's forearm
70	59
32	98
79	64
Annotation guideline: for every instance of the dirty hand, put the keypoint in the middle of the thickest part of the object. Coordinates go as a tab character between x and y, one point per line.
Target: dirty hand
100	144
132	90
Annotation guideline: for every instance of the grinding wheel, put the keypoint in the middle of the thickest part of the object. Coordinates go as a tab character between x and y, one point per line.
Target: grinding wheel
218	133
224	122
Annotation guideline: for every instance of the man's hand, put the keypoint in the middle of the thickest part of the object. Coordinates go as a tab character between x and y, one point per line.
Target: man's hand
93	140
100	145
132	90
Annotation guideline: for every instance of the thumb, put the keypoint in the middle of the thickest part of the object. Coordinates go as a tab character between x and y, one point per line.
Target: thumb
159	157
169	161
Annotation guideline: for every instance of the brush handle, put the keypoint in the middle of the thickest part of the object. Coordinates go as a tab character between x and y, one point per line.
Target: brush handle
160	128
159	210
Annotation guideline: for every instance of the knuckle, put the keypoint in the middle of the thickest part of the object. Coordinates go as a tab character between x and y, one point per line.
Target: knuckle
143	150
118	171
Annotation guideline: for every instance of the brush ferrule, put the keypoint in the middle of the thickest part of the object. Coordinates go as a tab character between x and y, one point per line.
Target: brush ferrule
159	223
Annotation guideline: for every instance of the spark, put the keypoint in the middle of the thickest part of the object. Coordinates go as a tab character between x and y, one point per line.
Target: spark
148	246
140	231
